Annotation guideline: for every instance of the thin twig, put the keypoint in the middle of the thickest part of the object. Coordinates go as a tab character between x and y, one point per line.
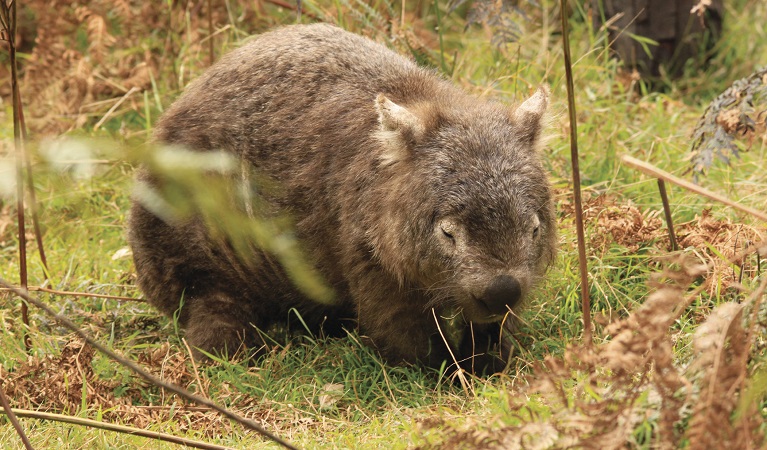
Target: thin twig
144	374
115	427
11	414
173	406
77	294
8	12
459	372
31	188
114	107
402	16
211	48
585	299
31	184
194	367
651	170
691	296
297	8
667	214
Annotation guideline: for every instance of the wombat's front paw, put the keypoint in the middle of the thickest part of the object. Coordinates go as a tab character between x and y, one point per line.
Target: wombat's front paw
485	364
479	350
215	338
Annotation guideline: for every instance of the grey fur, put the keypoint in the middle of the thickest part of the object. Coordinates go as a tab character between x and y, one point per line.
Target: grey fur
407	194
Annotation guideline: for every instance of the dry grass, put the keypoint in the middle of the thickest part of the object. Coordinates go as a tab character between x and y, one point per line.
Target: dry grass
86	56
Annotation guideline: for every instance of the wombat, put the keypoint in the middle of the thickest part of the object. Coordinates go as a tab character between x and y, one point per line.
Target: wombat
418	203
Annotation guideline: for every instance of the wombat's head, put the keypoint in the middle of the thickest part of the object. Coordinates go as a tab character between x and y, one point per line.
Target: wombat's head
469	214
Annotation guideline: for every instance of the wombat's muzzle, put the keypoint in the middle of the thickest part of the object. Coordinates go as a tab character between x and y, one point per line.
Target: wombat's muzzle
503	293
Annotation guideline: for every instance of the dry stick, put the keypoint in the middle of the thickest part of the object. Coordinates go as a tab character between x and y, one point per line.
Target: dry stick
86	294
173	407
281	4
31	188
667	213
651	170
31	184
78	294
142	373
12	416
459	371
585	299
211	54
194	367
9	25
114	107
297	8
115	427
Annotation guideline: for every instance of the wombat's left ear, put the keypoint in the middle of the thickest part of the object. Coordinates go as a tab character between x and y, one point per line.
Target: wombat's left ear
394	117
400	128
528	115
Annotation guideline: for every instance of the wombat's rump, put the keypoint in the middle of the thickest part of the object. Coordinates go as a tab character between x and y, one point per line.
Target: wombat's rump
413	199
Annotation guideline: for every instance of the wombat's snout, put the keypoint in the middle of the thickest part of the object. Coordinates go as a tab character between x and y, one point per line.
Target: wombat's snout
503	293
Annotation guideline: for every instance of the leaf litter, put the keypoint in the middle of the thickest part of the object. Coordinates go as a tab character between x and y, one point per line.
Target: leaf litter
66	382
712	240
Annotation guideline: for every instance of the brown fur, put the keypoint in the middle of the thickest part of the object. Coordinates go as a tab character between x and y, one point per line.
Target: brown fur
407	194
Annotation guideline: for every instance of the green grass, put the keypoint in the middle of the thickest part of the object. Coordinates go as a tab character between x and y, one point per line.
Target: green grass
336	393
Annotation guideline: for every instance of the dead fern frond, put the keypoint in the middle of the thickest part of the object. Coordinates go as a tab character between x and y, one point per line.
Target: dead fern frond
99	39
611	377
75	62
719	345
122	9
507	18
736	113
714	240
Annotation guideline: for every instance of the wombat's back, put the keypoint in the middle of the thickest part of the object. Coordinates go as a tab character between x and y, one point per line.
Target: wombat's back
285	88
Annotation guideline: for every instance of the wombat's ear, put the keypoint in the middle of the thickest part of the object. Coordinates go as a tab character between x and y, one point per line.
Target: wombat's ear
399	130
528	115
393	117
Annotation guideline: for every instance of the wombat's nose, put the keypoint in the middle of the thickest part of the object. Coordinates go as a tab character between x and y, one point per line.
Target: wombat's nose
504	292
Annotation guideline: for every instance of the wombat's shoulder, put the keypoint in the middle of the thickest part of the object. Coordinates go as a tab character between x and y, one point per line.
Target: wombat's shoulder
316	71
308	39
311	48
305	58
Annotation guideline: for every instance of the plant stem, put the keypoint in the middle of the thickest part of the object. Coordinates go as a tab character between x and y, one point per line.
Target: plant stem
585	299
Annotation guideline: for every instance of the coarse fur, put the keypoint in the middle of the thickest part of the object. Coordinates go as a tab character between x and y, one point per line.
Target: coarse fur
413	199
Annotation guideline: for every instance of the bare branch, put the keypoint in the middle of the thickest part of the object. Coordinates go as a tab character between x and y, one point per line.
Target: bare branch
115	427
12	417
651	170
144	374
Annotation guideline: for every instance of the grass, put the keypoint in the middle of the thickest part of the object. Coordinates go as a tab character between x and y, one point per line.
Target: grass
336	393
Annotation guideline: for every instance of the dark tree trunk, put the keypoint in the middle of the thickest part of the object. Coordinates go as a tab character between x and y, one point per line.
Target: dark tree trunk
681	36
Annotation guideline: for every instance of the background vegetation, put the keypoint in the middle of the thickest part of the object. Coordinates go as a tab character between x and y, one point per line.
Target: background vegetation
685	369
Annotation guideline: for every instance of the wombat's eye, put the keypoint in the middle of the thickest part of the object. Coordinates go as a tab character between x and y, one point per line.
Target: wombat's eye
535	232
447	229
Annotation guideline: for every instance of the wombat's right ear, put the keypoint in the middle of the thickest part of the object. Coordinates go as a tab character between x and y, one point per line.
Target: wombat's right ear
528	115
399	129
